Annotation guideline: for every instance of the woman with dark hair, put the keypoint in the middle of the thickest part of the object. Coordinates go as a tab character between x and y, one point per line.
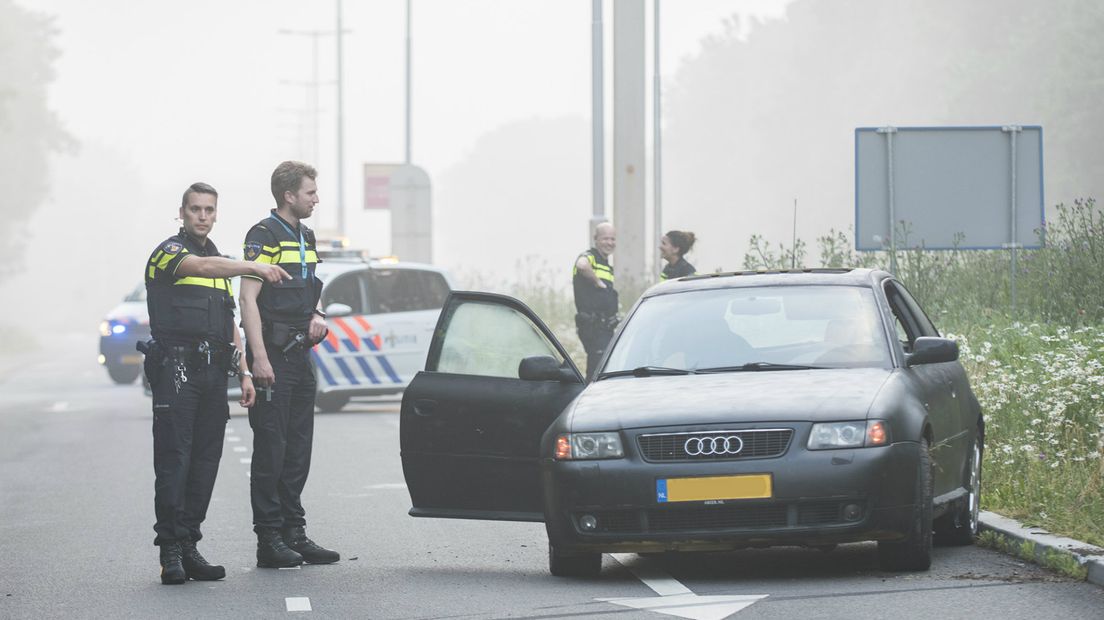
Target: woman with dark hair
673	247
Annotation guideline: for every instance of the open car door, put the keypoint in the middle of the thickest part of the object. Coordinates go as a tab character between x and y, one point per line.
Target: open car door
470	428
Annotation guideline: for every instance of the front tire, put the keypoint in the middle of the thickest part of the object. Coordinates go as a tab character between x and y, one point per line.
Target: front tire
124	375
330	403
960	526
573	564
914	552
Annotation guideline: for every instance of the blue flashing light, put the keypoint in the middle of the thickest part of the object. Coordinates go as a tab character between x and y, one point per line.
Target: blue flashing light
118	328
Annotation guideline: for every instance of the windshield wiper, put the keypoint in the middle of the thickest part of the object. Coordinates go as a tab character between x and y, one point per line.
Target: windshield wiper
756	366
646	371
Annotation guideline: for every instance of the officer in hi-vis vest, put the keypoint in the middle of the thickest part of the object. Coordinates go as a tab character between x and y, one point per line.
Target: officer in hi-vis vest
282	322
595	298
194	349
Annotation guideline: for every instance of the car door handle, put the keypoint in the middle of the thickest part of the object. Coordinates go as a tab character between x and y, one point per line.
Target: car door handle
425	407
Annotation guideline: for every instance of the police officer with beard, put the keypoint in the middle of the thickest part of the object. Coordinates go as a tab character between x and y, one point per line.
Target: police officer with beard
194	346
595	298
282	322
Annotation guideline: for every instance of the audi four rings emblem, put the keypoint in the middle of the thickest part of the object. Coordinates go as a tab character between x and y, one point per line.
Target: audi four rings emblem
706	446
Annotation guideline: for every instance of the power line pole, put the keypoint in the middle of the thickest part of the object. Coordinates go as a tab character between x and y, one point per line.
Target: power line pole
314	82
409	102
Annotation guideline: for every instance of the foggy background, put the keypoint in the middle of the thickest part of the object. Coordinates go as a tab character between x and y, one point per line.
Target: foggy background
109	110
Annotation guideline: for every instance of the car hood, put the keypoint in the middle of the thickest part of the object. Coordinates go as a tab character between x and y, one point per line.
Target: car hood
755	396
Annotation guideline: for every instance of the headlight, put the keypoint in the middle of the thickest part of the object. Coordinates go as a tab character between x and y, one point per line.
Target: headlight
833	435
105	328
589	446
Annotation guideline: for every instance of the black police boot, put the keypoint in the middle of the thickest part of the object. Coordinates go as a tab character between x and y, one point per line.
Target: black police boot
272	552
196	566
172	571
312	553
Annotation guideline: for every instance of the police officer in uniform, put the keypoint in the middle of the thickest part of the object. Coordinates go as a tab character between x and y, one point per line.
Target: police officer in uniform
595	298
673	248
282	322
191	310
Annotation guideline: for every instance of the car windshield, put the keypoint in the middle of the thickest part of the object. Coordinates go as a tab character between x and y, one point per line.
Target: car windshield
752	329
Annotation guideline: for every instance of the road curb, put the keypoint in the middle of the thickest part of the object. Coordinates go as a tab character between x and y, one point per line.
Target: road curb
1089	556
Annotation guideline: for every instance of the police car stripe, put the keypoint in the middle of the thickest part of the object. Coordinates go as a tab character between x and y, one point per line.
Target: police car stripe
388	369
352	341
329	378
346	371
330	348
367	370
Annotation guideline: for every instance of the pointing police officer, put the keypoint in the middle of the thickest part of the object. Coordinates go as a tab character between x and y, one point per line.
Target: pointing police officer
595	298
282	322
193	350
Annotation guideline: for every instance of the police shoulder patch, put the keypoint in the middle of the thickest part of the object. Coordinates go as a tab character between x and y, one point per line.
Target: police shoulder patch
252	250
172	247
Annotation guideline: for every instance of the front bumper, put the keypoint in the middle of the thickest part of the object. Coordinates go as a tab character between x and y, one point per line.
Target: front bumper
812	494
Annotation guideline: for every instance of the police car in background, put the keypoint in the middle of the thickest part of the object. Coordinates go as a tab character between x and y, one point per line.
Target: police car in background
381	313
124	326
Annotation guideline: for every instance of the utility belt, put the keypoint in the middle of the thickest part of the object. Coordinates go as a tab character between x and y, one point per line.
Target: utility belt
285	337
593	320
191	356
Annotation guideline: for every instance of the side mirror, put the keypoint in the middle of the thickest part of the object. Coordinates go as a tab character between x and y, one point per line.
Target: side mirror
545	368
929	350
336	309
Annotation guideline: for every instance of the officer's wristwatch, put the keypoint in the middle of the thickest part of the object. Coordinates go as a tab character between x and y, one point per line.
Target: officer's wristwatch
242	375
320	313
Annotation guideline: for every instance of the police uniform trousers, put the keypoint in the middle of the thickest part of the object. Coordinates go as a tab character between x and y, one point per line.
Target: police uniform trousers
595	339
189	428
283	430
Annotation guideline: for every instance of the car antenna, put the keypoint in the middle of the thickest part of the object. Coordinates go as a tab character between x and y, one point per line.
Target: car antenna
793	248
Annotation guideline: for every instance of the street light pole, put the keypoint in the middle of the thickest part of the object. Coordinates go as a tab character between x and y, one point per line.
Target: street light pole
340	127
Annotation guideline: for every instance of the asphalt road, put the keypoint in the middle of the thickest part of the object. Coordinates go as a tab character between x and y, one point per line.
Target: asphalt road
76	515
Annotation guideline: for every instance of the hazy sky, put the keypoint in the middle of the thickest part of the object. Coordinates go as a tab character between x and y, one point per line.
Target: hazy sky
211	90
161	94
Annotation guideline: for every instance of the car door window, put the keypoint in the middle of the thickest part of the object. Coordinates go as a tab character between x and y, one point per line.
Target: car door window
905	322
345	289
489	340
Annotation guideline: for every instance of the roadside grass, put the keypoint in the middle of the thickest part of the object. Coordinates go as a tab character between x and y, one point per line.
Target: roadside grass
1063	563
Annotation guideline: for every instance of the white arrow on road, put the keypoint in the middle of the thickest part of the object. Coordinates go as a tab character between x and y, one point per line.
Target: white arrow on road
676	599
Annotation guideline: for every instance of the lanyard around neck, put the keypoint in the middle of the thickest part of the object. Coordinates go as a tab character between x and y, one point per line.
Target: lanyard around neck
302	245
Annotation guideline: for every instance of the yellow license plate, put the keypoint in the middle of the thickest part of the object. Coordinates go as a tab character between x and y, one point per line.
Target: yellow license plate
131	359
713	488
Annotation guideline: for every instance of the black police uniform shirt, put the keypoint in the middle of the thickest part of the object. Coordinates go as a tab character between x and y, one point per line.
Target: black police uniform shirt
590	299
679	269
187	309
276	242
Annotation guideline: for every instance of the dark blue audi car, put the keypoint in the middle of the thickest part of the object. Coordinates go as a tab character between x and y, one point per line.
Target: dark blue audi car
810	407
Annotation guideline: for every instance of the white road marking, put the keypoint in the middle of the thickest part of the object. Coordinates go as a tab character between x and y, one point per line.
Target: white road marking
241	449
661	583
230	429
674	598
297	603
235	438
387	485
246	461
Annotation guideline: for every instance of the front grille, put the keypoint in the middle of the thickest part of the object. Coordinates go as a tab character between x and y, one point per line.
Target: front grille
717	518
700	518
757	443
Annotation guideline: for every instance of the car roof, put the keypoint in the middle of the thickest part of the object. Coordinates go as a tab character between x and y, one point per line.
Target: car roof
335	265
789	277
